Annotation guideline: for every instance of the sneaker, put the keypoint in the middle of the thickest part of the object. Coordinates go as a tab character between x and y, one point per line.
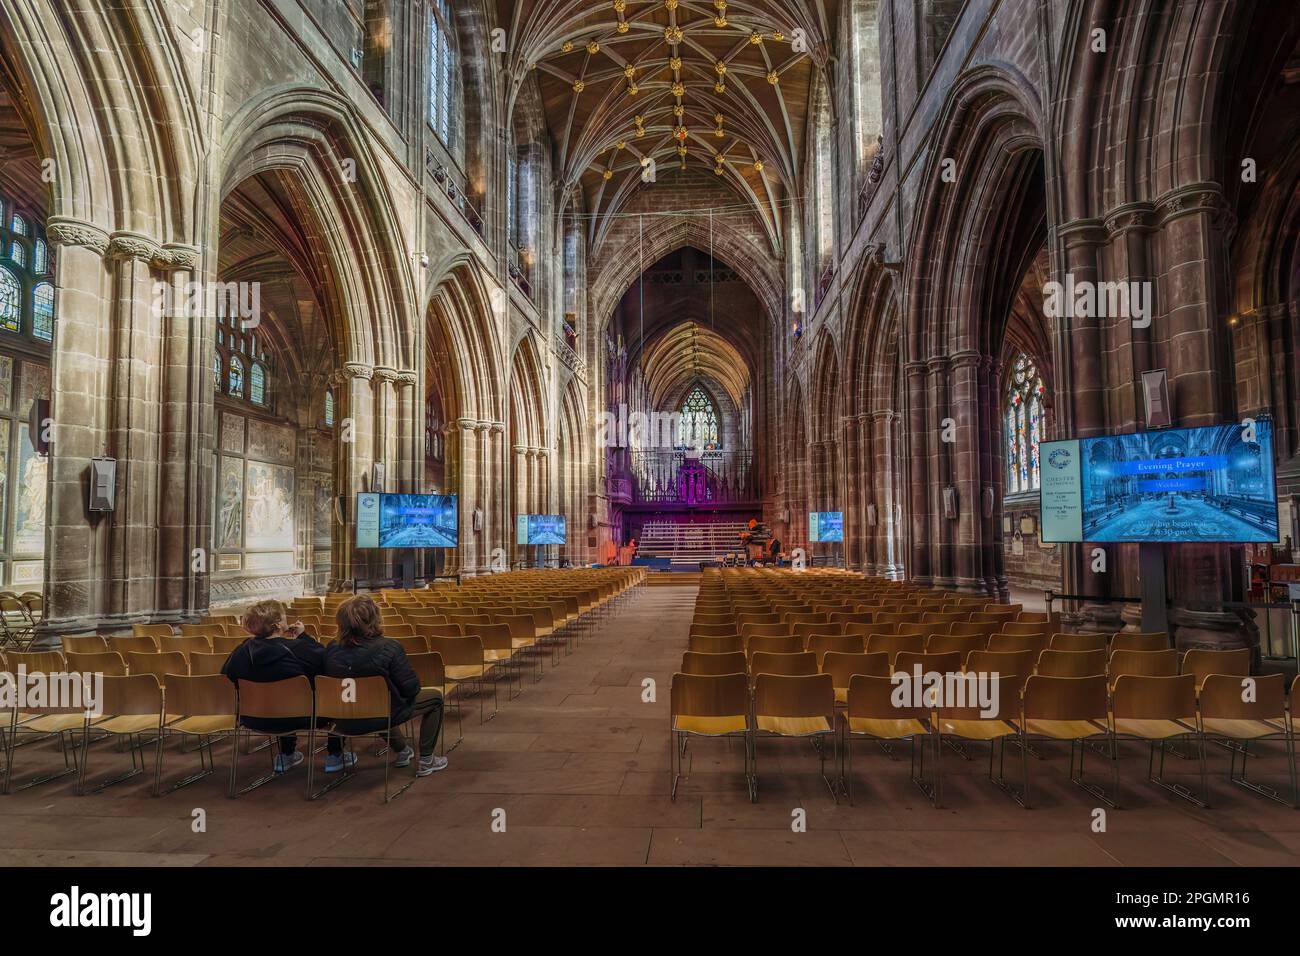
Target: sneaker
336	762
431	764
286	762
404	758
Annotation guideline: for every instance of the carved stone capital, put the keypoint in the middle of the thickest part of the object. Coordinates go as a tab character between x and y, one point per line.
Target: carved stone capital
1129	216
385	375
358	370
132	245
176	258
62	231
408	379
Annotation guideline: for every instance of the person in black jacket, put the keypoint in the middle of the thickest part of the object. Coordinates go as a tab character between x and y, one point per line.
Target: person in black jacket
276	651
362	651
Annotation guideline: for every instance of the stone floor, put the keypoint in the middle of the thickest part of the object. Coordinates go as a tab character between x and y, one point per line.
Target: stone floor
578	766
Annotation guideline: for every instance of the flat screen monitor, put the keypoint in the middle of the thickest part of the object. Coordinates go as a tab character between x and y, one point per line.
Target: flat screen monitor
825	526
407	521
540	529
1210	484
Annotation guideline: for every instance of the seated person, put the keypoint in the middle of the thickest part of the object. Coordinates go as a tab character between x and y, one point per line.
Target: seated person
361	650
276	651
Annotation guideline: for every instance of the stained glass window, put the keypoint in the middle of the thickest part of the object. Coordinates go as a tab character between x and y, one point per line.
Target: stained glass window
18	253
236	386
216	370
18	226
699	422
43	312
41	259
442	71
1024	425
329	409
257	385
10	300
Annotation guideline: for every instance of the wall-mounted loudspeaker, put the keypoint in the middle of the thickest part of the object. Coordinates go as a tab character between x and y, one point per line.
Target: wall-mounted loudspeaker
377	477
40	426
103	483
950	503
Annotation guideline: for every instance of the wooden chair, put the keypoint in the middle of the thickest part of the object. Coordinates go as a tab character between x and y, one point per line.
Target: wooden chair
151	630
796	706
1203	663
1077	642
131	707
202	706
970	722
822	644
702	663
140	643
1037	643
433	676
892	644
108	663
842	666
1066	708
1138	641
346	708
85	644
962	644
1225	715
783	644
159	665
871	713
709	706
788	665
1071	663
465	663
1142	664
1157	710
205	665
289	702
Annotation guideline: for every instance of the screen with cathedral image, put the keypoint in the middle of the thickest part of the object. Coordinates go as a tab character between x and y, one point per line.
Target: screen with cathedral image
407	521
1209	484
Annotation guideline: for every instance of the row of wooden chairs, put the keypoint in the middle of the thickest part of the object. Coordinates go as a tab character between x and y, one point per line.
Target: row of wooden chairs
1077	710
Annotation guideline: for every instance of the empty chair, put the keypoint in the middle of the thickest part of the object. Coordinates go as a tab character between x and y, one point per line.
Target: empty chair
465	663
131	706
713	664
446	629
748	631
143	644
201	706
924	630
855	617
1000	617
892	644
1077	642
1037	643
984	630
151	630
969	720
1065	708
743	619
228	644
822	644
790	665
1027	629
804	617
1137	641
187	645
787	644
410	644
1226	715
1071	663
906	662
899	617
86	644
873	713
159	665
945	617
962	644
842	666
398	629
203	630
866	630
795	706
99	662
715	645
1006	664
714	630
1203	663
709	706
1142	664
207	664
1158	709
807	631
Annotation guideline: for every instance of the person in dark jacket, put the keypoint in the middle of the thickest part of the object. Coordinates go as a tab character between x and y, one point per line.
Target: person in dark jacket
361	650
276	651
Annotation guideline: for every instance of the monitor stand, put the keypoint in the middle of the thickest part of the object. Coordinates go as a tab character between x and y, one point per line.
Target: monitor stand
1151	568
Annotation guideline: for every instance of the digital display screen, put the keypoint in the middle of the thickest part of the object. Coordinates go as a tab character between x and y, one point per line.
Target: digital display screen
1209	484
540	529
407	521
825	526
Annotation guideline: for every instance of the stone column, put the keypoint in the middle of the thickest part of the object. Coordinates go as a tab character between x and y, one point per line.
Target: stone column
486	492
75	538
922	439
500	528
355	455
943	470
410	452
187	439
135	379
882	441
470	544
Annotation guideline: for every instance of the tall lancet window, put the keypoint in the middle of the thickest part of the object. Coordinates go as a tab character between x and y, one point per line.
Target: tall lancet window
699	421
1024	425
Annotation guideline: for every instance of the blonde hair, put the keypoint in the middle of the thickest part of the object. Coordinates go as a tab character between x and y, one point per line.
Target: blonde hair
265	618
